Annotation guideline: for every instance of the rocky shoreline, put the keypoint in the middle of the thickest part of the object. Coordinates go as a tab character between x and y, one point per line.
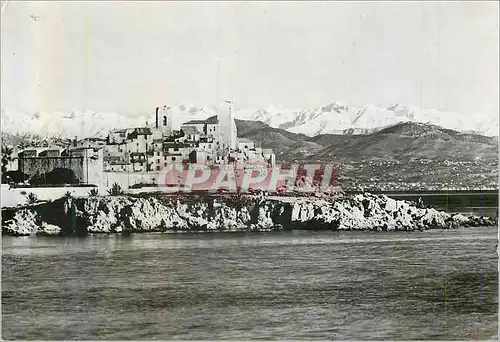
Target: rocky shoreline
210	213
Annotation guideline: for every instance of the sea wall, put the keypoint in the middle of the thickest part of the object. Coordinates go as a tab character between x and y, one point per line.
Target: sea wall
123	214
127	179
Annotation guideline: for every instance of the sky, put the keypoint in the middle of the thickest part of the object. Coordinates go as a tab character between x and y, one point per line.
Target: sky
129	57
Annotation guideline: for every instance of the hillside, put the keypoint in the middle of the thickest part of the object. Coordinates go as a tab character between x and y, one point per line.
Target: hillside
402	156
403	141
408	140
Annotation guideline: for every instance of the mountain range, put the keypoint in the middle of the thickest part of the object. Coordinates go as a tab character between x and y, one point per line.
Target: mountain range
406	155
402	141
333	118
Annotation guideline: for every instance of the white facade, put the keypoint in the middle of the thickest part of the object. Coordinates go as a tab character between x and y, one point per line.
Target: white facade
210	141
212	129
245	144
119	135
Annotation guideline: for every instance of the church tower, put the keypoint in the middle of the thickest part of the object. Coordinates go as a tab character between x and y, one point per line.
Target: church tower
164	120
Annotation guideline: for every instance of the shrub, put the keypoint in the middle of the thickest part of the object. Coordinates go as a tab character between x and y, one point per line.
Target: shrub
6	157
14	176
115	190
68	194
93	192
32	198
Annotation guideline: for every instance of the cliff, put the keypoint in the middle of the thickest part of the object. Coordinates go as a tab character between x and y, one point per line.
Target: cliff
123	214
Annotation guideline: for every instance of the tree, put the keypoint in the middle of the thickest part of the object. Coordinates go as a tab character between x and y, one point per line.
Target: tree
14	176
93	192
32	198
115	190
6	157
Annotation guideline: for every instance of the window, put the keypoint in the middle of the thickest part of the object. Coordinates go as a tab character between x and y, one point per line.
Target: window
140	164
246	146
157	153
164	121
157	161
173	158
165	163
157	168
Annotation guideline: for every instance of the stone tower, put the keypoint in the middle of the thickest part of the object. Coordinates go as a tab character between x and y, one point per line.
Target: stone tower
227	127
164	120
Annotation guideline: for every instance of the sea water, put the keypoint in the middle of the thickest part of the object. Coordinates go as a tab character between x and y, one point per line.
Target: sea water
438	284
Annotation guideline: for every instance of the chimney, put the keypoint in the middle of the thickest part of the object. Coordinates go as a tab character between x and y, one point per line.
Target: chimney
157	108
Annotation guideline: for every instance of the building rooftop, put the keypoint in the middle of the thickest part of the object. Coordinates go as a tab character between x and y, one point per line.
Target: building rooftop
93	139
124	130
211	120
194	122
39	149
48	151
85	148
139	131
188	130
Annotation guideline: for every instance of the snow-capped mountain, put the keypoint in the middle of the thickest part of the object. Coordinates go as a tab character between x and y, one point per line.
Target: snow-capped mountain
90	124
333	118
86	124
336	118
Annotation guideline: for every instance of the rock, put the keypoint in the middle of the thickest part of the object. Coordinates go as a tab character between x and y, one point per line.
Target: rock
25	222
49	229
115	214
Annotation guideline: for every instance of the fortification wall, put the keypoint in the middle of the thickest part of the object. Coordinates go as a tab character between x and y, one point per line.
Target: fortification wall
33	166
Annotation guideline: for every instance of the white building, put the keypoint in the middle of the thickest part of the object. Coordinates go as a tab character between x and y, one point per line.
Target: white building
210	141
245	144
